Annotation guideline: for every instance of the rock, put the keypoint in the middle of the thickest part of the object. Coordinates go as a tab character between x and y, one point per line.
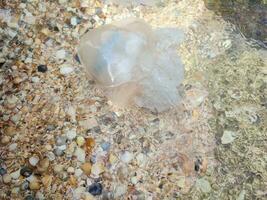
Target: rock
134	180
120	190
88	123
12	147
105	146
61	54
80	141
42	68
50	155
58	168
29	197
80	154
47	181
70	170
43	165
203	185
5	139
228	137
78	172
34	184
181	183
241	195
126	157
86	167
7	178
25	171
97	169
58	151
25	185
15	175
95	189
39	195
77	193
2	171
61	140
35	79
34	160
71	134
74	21
66	69
141	159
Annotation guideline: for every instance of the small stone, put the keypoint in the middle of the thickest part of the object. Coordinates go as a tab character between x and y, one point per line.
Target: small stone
86	167
35	79
51	156
95	189
34	184
70	170
2	171
66	69
76	57
181	182
58	152
15	175
43	165
80	154
80	141
88	123
7	178
34	160
105	146
126	157
39	195
42	68
47	181
228	137
16	118
12	147
203	185
134	180
73	181
77	193
78	172
141	159
71	134
74	21
120	190
60	54
58	168
97	169
25	171
29	197
5	139
25	185
61	140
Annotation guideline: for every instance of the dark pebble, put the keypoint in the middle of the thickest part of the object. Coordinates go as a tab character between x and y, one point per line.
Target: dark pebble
95	189
25	171
76	57
2	171
42	68
29	197
25	185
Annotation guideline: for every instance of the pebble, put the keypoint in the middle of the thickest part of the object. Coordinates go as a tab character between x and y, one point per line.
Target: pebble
70	170
203	185
58	168
34	160
97	169
141	159
25	185
78	172
12	147
80	141
35	79
61	140
95	189
80	154
42	68
58	152
47	180
34	184
2	171
86	167
66	69
120	190
29	197
60	54
126	157
43	165
71	134
74	21
50	155
7	178
105	146
228	137
15	175
5	139
25	171
40	196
